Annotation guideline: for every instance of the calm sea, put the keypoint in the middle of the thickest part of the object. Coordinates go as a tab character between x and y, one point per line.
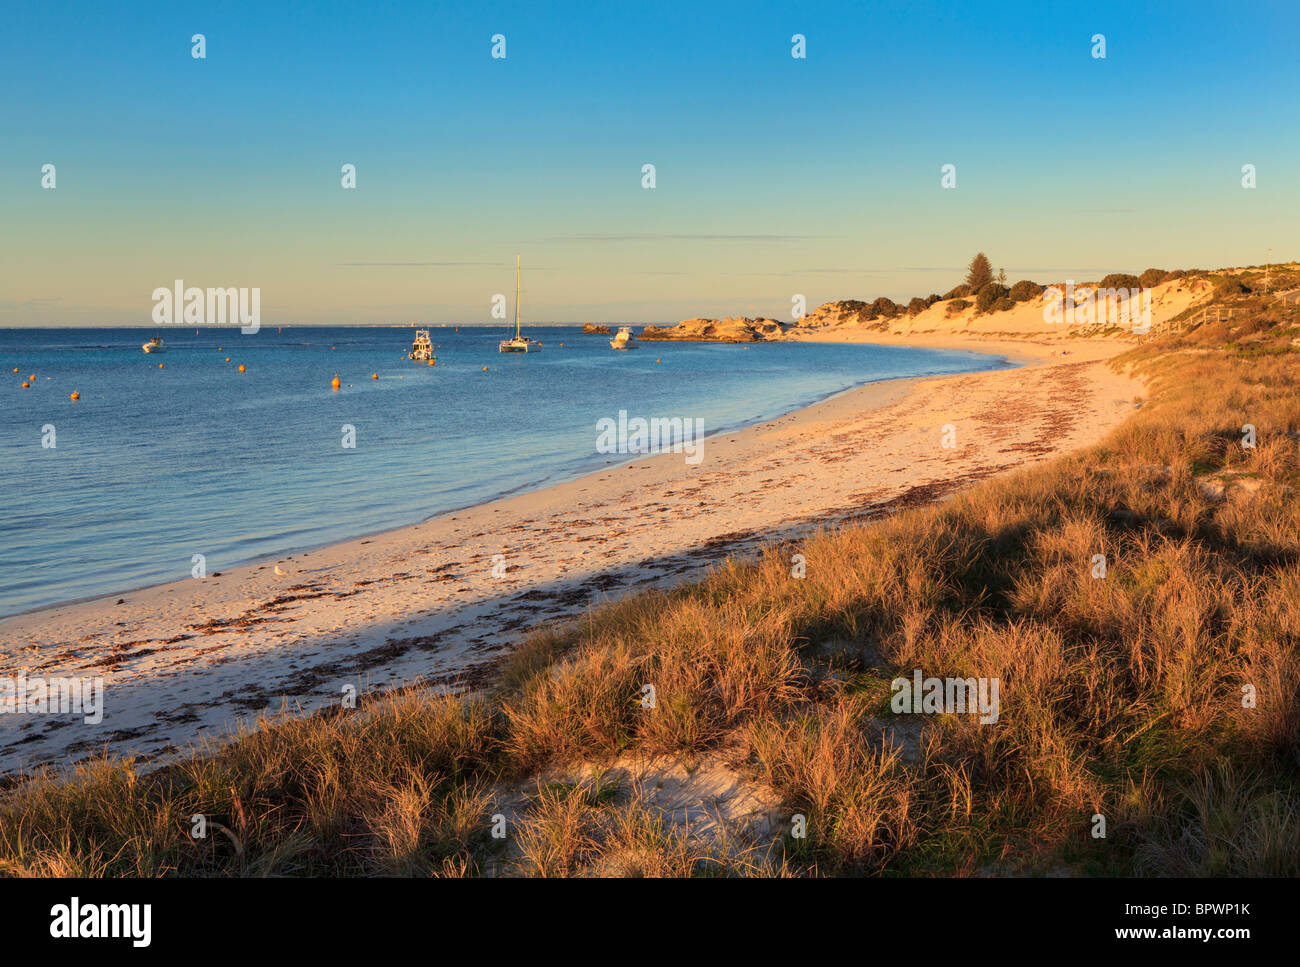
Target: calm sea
153	465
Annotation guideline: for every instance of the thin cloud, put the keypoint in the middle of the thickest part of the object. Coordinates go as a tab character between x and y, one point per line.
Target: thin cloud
407	264
676	237
30	303
901	268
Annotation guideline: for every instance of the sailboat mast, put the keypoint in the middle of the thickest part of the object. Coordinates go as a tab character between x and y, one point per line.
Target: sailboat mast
517	295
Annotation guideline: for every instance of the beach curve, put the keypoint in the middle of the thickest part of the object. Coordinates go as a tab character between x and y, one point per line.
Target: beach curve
190	660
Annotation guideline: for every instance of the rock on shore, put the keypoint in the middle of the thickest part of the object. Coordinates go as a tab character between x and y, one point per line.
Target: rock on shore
845	311
731	329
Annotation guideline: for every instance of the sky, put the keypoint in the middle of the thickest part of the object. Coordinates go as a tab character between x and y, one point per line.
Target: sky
775	176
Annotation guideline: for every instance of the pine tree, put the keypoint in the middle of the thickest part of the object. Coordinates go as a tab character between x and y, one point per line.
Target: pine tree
980	272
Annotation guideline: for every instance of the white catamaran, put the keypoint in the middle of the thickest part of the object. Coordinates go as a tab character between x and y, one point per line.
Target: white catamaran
519	343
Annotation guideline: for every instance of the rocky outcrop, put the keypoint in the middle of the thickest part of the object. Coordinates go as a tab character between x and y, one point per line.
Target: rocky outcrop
591	327
849	312
738	329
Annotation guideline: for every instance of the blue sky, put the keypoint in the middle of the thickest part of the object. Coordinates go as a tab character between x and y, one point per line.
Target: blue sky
775	176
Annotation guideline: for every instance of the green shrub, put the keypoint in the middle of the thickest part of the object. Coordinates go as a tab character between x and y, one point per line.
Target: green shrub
1121	280
958	292
1230	285
917	305
957	305
885	307
1024	290
989	293
1153	277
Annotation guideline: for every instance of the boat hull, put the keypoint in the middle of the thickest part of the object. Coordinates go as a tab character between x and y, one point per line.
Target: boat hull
623	339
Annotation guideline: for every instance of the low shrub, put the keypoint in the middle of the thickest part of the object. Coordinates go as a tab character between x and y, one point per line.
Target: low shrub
1120	280
1025	290
989	294
885	307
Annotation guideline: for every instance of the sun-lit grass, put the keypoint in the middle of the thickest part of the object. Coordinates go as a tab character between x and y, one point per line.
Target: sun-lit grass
1121	697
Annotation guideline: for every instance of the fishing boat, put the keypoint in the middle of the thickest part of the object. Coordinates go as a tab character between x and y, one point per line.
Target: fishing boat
519	343
422	348
624	339
154	345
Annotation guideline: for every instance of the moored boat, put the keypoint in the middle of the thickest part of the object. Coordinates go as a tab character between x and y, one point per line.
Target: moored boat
422	347
518	343
624	339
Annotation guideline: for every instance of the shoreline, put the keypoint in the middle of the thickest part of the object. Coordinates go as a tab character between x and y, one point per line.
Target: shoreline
186	661
556	479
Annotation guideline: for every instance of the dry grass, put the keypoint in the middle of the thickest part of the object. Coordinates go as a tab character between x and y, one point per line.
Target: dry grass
1120	696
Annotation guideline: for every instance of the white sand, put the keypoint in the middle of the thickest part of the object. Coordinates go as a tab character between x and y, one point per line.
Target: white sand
184	661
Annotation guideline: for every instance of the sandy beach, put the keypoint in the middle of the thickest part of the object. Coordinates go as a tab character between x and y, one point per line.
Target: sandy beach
186	661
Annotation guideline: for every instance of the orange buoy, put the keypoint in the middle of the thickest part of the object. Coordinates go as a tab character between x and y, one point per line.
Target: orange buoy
485	369
241	367
335	382
227	359
33	376
160	365
431	362
75	396
26	385
374	376
15	369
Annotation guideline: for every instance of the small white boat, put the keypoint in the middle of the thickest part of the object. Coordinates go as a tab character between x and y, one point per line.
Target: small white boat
154	345
422	348
624	339
518	343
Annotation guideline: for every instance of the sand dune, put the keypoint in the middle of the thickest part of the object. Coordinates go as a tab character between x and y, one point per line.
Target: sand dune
1027	318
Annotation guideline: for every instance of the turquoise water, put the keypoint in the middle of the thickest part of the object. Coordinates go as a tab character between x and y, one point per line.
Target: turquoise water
152	466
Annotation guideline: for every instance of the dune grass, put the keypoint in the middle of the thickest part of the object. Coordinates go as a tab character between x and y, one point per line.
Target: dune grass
1163	698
